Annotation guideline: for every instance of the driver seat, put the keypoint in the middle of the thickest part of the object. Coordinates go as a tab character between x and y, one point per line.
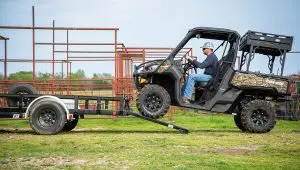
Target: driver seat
204	84
201	84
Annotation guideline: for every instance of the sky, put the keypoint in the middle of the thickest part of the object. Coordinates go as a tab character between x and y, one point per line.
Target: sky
143	23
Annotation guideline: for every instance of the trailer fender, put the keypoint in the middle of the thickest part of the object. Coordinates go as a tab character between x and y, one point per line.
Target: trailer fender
53	98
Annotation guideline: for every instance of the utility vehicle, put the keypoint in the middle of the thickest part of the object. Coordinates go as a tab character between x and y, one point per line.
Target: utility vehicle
250	96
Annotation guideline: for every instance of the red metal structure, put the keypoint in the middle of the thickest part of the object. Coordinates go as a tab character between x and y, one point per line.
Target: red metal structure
122	57
67	84
128	56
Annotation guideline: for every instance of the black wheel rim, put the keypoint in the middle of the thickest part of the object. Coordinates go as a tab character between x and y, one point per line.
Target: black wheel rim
153	102
259	117
46	117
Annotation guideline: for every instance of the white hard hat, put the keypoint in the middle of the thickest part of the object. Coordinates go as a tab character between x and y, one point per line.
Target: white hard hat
208	45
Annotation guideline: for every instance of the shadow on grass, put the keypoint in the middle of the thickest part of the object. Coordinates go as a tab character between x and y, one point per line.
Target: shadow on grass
125	131
16	131
91	131
154	131
128	131
217	131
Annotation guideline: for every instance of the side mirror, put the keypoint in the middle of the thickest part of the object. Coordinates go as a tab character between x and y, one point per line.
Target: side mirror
198	36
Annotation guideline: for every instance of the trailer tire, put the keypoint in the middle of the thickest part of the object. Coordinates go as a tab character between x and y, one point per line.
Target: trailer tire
47	117
20	89
153	101
258	116
70	125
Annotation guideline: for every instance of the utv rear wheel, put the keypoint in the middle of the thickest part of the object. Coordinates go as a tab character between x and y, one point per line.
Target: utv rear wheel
258	116
237	118
153	101
238	122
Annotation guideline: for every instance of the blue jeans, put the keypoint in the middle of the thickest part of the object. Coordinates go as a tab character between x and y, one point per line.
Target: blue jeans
187	89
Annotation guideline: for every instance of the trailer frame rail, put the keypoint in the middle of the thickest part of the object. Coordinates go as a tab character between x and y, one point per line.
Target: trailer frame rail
121	102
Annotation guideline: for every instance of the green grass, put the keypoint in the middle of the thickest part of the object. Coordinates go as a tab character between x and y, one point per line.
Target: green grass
130	143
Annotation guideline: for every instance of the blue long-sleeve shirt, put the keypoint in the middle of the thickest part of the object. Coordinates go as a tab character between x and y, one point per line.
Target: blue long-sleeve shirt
209	64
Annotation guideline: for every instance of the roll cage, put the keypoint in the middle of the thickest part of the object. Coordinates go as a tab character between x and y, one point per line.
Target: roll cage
232	37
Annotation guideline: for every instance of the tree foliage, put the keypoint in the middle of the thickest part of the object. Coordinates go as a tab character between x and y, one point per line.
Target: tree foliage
102	76
21	75
44	76
78	75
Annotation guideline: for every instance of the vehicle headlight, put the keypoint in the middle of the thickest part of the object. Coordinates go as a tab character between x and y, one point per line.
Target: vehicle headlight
153	66
150	66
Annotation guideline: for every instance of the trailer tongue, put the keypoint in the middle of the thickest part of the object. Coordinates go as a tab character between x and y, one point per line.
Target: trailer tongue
53	114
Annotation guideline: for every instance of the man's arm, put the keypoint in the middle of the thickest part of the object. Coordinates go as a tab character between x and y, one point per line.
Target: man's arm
207	62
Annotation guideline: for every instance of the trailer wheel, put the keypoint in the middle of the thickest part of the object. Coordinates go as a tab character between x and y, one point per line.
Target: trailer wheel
153	101
258	116
70	125
47	117
20	89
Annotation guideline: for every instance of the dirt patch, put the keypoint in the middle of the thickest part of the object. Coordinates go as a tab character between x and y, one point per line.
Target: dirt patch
50	161
7	128
234	151
181	146
100	162
125	165
89	129
231	150
15	133
100	127
238	150
55	162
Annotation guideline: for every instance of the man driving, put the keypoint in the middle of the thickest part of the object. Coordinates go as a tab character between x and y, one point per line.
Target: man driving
209	65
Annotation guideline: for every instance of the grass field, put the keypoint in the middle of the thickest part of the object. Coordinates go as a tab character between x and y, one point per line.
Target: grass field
130	143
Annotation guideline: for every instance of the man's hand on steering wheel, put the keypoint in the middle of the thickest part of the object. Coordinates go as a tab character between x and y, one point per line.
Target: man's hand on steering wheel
190	58
189	65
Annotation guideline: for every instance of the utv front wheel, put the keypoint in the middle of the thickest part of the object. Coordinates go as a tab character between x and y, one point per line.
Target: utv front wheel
153	101
258	116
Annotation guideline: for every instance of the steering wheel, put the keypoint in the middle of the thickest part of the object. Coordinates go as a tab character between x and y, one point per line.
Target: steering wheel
187	66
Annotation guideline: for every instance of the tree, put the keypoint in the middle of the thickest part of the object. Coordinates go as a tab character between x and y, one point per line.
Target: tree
44	76
103	75
1	76
21	75
58	76
79	74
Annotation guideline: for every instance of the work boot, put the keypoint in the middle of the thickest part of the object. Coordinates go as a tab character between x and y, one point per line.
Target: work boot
185	100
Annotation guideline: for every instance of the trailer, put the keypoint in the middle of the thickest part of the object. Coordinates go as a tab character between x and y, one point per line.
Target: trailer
52	114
